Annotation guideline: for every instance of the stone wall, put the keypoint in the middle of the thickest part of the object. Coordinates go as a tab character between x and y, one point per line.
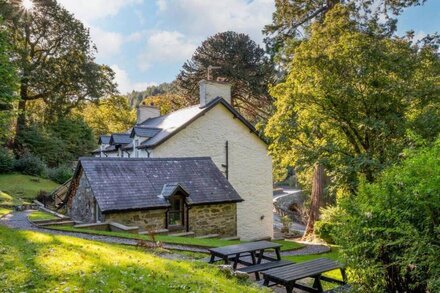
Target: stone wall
145	219
213	219
82	208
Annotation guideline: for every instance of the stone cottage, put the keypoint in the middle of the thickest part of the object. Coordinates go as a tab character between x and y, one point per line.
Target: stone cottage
214	129
177	194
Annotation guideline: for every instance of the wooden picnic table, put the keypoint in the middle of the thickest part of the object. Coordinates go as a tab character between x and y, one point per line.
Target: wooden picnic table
289	274
254	249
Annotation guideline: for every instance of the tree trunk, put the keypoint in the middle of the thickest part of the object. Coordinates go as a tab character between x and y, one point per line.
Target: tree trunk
21	118
316	197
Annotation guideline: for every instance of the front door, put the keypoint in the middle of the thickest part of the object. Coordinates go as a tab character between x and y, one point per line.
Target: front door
175	213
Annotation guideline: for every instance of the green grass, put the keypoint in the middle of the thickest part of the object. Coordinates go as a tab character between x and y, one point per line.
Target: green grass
18	188
39	215
37	262
286	245
4	211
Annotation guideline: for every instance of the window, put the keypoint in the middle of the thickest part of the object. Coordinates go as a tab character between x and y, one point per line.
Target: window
175	213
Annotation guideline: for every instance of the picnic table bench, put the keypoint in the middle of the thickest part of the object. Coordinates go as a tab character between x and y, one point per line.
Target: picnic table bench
255	249
288	275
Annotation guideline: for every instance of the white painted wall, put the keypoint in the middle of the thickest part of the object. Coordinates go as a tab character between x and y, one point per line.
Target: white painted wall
250	168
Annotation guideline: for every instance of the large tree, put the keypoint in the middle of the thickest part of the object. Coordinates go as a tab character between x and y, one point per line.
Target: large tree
8	85
242	62
54	56
292	19
350	98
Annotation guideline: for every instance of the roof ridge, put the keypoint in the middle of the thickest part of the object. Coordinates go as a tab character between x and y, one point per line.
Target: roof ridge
143	159
168	114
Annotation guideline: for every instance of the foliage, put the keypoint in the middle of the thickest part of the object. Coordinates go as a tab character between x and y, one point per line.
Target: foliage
55	58
347	100
286	221
60	142
60	174
390	231
6	161
109	115
19	186
8	85
165	88
32	261
292	19
242	62
325	227
30	165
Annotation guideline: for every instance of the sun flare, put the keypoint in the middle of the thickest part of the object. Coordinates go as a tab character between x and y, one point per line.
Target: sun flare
27	4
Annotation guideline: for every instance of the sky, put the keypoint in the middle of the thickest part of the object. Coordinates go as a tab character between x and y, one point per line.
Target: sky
146	42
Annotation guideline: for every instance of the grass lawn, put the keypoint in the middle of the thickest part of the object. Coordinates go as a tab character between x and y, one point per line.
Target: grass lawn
39	215
286	245
4	211
37	262
18	188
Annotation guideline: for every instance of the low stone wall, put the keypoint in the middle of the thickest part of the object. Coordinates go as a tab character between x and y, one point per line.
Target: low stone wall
145	219
213	219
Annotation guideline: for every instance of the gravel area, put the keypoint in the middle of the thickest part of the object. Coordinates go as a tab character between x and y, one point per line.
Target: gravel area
19	220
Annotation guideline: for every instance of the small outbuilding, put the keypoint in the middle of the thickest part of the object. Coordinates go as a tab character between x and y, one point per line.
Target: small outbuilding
178	194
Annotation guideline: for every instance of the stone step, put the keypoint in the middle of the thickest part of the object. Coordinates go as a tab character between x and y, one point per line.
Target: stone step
209	236
183	234
231	238
57	223
157	232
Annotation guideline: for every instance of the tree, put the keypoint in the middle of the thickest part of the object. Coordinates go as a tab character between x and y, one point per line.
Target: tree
242	62
8	85
390	232
55	58
109	115
292	19
347	100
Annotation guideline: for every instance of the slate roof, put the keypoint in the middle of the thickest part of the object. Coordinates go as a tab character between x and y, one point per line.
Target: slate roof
104	139
120	138
143	131
120	184
172	123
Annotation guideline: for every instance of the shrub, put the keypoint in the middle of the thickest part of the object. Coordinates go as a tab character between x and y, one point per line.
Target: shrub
60	174
30	165
325	227
6	161
390	232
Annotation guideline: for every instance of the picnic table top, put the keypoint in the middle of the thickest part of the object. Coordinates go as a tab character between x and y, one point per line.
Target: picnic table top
302	270
244	247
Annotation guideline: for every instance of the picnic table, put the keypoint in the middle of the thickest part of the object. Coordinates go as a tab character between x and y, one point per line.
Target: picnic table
289	275
254	249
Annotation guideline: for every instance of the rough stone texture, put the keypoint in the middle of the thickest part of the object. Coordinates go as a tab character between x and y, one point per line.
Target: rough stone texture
146	220
82	207
250	167
213	219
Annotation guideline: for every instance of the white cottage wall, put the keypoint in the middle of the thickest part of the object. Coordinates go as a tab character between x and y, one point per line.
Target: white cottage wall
250	167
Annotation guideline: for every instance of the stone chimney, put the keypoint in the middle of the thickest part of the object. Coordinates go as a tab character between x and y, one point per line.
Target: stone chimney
145	112
209	90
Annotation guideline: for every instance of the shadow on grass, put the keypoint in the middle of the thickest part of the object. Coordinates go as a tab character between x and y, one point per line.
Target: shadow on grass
31	261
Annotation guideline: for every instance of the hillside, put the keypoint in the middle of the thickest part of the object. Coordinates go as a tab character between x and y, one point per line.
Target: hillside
16	189
31	261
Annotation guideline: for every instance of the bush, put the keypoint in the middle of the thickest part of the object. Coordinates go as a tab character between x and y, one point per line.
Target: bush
60	175
6	161
390	232
30	165
325	227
